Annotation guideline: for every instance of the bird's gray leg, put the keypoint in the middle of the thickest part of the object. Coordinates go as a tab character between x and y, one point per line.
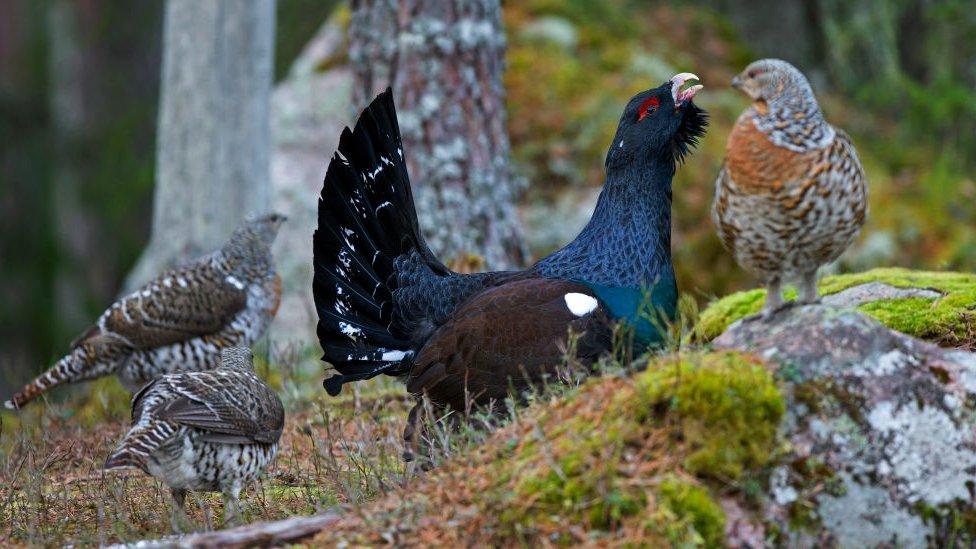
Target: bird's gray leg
179	520
411	432
774	302
774	299
232	494
808	288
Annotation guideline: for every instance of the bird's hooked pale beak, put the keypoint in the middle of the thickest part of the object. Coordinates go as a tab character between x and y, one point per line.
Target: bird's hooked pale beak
682	96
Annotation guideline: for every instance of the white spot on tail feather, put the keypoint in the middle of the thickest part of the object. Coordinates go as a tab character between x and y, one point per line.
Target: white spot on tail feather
580	304
394	356
374	173
349	329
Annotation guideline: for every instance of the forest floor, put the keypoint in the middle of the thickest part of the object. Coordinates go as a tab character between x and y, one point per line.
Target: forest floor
340	453
52	489
489	479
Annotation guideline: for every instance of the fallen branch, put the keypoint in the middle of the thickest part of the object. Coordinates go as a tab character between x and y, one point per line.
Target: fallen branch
259	534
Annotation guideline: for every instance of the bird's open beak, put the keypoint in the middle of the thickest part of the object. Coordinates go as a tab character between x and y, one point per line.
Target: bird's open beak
681	96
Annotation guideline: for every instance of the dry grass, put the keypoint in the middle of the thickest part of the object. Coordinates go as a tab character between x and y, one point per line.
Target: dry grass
52	490
336	452
627	460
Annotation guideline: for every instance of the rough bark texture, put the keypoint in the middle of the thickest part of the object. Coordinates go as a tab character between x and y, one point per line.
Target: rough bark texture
214	138
880	427
444	60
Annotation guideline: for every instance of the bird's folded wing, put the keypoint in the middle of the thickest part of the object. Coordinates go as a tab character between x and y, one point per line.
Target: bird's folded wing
175	307
230	406
509	336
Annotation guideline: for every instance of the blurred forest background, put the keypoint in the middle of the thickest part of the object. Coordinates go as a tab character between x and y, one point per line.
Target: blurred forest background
79	96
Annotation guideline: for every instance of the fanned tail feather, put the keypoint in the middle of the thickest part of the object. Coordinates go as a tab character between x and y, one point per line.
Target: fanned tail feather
83	362
138	444
366	220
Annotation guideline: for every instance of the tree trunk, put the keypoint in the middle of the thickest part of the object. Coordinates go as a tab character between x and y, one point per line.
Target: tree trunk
73	119
212	161
444	60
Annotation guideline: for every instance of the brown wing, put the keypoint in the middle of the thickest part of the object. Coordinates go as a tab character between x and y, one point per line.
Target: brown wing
506	336
232	406
177	306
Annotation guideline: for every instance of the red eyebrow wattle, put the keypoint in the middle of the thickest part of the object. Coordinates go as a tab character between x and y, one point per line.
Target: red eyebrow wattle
648	103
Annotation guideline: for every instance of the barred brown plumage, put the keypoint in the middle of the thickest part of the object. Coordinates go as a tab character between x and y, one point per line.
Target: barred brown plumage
180	320
214	430
792	194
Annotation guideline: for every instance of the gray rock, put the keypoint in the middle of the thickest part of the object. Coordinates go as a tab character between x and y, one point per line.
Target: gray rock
875	291
556	30
881	427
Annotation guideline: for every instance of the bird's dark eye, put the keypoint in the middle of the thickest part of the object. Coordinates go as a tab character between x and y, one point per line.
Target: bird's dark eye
647	107
754	73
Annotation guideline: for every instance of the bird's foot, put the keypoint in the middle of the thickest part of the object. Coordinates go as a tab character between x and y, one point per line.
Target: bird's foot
180	522
769	312
754	317
783	307
815	301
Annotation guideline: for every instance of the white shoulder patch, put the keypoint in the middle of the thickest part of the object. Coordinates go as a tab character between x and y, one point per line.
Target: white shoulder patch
580	304
233	281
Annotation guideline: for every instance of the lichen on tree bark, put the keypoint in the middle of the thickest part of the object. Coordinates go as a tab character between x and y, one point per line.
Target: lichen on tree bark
444	61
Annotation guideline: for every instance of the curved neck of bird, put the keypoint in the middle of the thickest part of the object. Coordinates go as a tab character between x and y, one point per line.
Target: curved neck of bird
627	241
244	260
794	121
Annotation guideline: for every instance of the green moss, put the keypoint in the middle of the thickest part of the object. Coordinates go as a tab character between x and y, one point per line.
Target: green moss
583	479
725	407
955	524
698	519
948	319
712	415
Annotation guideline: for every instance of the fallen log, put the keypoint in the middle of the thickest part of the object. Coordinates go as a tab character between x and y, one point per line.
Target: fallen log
259	534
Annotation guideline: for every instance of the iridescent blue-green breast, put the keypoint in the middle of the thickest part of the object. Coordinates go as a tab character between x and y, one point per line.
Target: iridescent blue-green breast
647	311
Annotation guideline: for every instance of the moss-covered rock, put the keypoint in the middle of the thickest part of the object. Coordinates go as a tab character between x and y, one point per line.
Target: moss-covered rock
879	425
695	515
641	459
944	315
725	409
717	412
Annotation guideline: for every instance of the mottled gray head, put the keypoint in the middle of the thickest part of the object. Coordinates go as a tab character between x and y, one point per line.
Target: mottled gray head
261	228
774	81
784	106
252	240
237	357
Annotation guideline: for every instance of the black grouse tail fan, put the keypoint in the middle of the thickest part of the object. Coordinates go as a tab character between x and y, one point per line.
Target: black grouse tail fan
366	220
